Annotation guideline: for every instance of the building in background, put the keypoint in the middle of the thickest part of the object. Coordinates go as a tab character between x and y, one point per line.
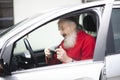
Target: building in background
6	13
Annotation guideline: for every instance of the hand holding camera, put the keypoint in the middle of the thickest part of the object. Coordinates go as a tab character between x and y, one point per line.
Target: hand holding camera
49	53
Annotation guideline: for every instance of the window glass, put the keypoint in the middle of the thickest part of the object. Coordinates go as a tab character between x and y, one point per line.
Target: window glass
115	22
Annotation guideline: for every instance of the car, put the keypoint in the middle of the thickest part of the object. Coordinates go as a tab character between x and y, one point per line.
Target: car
22	45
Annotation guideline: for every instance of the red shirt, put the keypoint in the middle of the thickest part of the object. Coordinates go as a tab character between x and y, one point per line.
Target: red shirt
83	49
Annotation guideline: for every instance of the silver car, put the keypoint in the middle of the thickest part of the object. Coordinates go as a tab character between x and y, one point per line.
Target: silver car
22	45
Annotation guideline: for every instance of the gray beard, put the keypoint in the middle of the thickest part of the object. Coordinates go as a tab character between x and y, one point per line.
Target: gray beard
70	40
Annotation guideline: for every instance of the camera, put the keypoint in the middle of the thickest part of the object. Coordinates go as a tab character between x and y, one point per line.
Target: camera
53	52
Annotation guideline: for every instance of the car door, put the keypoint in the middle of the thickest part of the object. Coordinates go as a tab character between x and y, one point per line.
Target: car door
88	69
113	54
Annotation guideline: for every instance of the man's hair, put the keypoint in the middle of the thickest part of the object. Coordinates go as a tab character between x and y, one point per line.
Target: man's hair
73	19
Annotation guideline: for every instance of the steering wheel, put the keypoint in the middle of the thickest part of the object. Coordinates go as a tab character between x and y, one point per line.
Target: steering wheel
29	48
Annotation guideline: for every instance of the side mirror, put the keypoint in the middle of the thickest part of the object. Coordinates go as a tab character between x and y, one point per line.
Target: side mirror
4	69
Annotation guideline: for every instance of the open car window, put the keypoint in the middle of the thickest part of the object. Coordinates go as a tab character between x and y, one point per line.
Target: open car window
47	36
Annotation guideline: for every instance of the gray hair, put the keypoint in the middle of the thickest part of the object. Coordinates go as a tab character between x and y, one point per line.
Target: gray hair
71	19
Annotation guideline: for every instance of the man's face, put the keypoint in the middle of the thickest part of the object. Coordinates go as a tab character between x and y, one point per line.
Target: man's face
66	28
68	31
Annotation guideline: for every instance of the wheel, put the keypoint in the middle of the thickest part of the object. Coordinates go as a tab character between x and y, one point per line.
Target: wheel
29	48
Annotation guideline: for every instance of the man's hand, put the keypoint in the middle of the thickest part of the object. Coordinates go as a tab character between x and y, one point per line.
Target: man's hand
47	53
62	55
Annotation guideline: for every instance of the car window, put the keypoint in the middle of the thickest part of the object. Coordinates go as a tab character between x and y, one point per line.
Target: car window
115	23
46	36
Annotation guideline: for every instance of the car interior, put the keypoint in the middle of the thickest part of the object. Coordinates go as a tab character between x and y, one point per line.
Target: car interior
26	55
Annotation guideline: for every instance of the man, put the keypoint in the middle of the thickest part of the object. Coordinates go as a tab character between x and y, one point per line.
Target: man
77	45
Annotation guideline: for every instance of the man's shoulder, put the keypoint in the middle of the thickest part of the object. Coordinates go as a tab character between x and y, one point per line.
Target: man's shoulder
85	36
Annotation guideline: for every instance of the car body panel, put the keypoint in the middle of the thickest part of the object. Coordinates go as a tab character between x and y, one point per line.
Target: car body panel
103	30
113	67
71	71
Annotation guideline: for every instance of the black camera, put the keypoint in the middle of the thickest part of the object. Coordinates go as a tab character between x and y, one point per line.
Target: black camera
52	53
